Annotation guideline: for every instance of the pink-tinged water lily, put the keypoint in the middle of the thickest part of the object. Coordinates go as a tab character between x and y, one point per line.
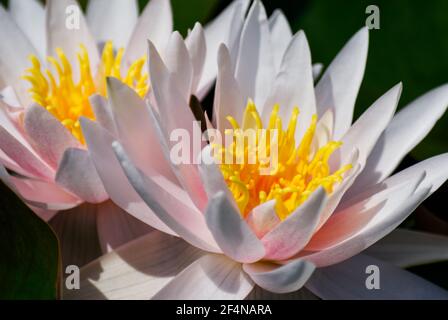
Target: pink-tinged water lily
42	100
230	233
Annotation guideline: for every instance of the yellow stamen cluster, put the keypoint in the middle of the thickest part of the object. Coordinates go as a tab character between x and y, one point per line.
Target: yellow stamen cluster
299	171
68	100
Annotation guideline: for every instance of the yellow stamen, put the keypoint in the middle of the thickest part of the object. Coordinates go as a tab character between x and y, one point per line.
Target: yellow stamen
68	101
299	170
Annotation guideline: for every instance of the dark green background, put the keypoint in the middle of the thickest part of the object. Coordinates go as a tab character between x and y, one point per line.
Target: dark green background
411	46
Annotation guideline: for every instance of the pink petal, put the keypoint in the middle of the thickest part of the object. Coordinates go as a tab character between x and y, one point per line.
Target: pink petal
170	203
28	161
77	173
117	186
116	227
47	135
348	222
132	120
291	235
231	232
212	277
280	279
377	228
263	218
44	192
137	270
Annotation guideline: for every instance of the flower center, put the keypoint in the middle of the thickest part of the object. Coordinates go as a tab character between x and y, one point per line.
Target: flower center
68	100
299	169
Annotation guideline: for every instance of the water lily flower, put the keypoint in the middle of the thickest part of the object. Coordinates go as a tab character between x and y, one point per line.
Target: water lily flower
230	233
52	73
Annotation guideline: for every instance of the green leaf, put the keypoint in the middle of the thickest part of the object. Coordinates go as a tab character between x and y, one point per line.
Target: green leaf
411	46
29	267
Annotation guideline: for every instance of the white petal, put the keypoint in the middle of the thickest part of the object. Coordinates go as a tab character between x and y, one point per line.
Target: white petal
44	198
178	62
324	130
117	227
255	69
169	102
77	234
114	180
337	196
23	155
155	24
112	20
294	85
212	277
231	232
405	248
14	51
103	113
63	32
168	96
211	175
9	97
338	87
197	49
347	280
317	70
281	35
263	218
291	235
365	132
382	224
280	279
30	17
225	28
77	173
132	120
228	97
404	132
137	270
435	171
349	221
170	203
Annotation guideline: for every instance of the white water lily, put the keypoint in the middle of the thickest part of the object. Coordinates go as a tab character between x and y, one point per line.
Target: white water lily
42	99
222	240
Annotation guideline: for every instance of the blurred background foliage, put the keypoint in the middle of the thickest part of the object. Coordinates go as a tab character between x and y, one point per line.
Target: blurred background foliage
411	46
